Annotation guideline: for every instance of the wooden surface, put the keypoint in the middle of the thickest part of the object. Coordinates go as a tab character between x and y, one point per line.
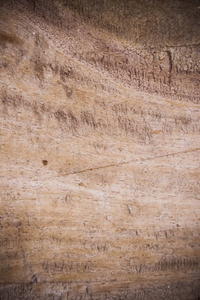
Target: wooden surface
100	148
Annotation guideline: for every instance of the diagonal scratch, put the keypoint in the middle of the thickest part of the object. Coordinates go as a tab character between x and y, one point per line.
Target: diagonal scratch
130	161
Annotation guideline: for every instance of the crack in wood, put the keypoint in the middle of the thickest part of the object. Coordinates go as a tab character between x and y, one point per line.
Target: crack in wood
131	161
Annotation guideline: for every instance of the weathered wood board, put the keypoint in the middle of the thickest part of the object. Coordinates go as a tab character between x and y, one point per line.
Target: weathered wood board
99	149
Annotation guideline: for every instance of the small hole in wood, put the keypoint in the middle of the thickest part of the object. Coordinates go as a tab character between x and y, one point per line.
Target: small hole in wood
45	162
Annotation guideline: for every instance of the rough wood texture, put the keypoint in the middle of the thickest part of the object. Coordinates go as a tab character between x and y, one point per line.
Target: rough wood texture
99	150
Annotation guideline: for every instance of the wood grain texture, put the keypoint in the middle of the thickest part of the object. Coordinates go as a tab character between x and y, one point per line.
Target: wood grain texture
100	148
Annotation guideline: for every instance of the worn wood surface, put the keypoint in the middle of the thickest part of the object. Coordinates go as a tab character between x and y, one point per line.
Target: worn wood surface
99	194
